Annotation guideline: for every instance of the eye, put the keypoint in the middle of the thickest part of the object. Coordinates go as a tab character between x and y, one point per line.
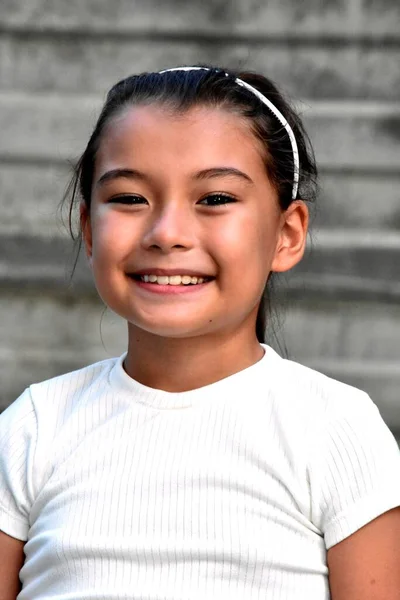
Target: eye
127	199
217	199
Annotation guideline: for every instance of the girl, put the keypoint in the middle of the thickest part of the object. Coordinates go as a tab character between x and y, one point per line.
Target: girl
199	464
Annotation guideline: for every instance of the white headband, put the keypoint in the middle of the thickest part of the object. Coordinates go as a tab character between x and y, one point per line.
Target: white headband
277	114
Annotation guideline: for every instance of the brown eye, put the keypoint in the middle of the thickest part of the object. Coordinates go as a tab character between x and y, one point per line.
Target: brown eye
217	200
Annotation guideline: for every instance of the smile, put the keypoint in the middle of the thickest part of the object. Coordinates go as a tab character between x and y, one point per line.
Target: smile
172	279
171	285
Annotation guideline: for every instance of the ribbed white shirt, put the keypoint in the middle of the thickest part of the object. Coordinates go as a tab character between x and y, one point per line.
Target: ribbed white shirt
235	490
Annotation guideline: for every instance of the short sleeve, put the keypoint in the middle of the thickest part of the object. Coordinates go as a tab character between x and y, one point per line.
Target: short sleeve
353	470
18	434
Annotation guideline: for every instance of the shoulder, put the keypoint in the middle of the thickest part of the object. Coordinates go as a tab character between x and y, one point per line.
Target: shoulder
350	454
80	376
77	379
309	392
39	428
67	392
300	406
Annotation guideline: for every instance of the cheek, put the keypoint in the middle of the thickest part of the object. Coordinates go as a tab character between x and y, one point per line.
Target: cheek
247	243
112	236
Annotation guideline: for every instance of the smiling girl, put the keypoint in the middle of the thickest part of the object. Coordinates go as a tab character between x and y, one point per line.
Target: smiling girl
199	464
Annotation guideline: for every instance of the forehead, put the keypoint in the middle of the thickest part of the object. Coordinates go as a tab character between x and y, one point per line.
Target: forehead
197	137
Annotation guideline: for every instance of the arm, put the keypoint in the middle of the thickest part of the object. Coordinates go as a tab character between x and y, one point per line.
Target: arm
11	562
18	431
366	565
354	479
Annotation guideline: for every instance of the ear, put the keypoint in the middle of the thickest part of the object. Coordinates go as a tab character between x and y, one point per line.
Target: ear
86	228
292	237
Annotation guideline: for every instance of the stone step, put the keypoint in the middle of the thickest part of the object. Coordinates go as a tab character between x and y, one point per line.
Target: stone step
350	265
85	64
346	135
31	193
359	200
349	19
46	334
345	334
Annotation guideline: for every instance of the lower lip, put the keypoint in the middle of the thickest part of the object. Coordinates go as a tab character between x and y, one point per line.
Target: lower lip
156	288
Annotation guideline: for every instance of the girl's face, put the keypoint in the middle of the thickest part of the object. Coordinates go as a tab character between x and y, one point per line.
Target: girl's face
186	194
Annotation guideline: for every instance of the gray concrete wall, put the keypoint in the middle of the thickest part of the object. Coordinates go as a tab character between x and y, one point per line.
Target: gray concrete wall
338	58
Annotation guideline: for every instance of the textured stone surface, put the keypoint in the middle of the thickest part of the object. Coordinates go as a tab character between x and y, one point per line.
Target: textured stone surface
347	136
29	199
44	336
42	264
325	329
275	16
92	65
340	261
50	128
365	200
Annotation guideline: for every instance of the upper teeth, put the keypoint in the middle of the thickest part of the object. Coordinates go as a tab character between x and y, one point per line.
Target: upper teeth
173	280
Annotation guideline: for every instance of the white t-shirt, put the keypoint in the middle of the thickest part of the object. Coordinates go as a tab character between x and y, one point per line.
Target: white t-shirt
234	490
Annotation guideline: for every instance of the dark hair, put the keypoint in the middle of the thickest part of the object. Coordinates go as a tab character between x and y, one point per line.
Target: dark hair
215	87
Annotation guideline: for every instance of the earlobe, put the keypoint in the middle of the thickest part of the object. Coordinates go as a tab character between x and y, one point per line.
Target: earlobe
86	229
292	238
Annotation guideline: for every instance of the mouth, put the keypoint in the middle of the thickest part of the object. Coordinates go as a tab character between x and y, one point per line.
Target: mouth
171	280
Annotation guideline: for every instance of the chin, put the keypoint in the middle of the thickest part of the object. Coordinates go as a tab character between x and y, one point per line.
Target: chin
171	329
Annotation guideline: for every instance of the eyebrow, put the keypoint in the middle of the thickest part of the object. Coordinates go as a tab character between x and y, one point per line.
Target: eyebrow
222	172
204	174
121	173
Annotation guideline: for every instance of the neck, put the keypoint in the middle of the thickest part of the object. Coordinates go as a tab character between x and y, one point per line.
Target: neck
183	364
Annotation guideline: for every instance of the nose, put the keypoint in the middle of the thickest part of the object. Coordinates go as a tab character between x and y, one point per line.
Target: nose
171	227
